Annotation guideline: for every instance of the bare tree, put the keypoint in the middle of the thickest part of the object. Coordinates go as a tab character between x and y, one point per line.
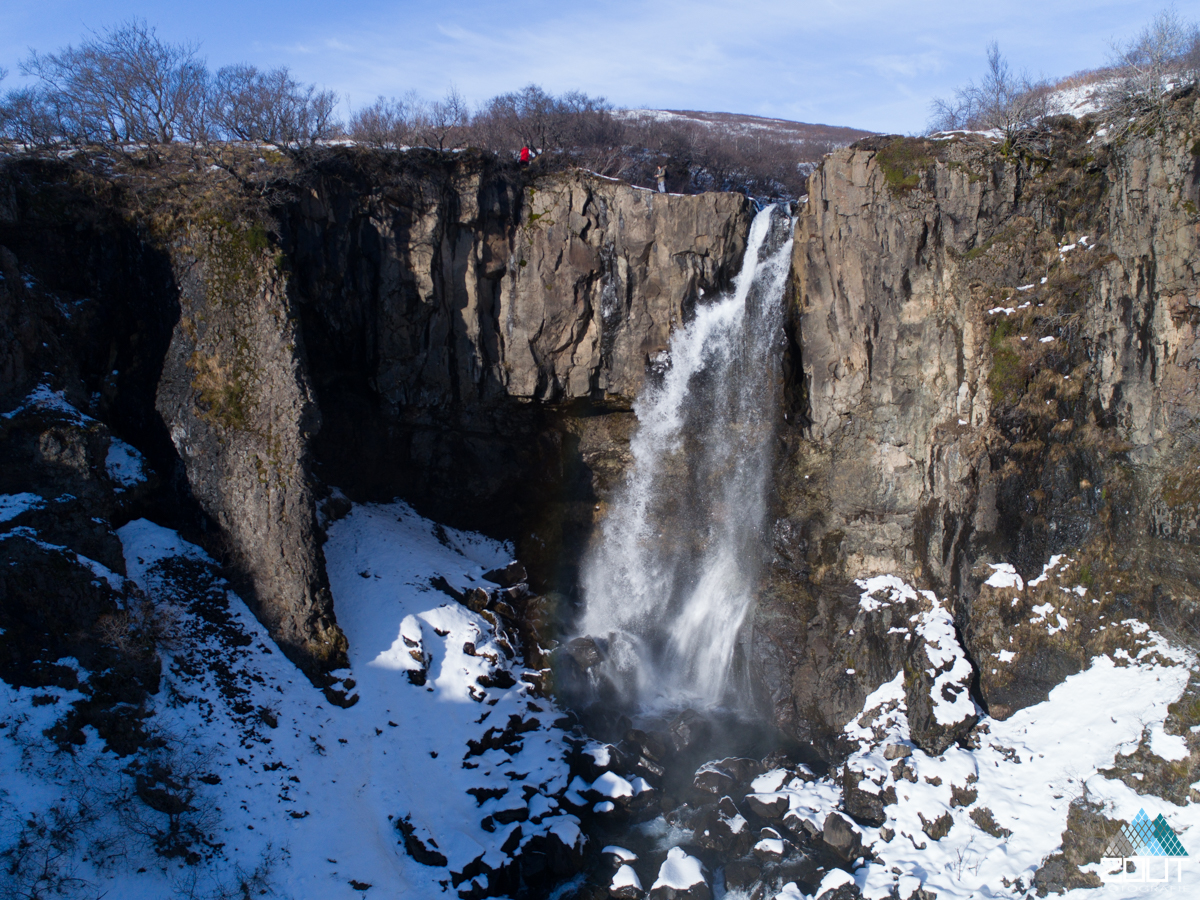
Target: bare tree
1002	100
388	122
28	116
122	85
533	118
249	105
443	122
1165	53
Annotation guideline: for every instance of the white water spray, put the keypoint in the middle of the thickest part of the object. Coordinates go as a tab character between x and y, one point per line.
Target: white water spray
671	579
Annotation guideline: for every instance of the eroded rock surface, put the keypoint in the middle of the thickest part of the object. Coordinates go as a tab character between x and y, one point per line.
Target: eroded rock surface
993	359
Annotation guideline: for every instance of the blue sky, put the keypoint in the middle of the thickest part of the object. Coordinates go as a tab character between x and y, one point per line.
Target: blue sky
873	64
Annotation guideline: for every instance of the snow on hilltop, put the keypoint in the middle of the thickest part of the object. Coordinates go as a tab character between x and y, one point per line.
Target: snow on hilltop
739	126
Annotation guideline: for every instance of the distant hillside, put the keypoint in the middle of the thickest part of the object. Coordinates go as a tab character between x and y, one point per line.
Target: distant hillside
737	125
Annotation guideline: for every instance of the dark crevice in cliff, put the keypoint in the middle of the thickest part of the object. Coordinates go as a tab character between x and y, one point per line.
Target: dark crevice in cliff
107	301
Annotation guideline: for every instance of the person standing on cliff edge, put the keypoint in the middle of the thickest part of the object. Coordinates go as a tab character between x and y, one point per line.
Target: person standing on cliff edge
661	175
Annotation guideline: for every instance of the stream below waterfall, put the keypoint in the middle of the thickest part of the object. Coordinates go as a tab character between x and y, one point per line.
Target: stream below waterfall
656	666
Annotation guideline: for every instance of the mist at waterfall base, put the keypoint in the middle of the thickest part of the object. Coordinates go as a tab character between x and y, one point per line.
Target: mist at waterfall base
670	580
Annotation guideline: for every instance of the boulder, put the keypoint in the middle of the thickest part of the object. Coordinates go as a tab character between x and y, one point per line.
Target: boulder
712	778
863	799
768	806
625	884
842	837
721	829
681	877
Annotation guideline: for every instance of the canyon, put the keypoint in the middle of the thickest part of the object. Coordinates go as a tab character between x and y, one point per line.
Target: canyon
988	362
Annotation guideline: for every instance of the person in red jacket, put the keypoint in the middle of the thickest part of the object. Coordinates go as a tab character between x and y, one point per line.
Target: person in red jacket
524	155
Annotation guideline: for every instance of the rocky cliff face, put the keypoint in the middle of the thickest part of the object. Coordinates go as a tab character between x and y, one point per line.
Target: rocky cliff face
451	329
999	357
476	333
236	402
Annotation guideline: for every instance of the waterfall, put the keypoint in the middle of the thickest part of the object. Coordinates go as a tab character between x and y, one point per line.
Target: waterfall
670	580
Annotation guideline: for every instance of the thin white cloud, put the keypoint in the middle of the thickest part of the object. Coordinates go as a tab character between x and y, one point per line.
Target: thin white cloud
875	63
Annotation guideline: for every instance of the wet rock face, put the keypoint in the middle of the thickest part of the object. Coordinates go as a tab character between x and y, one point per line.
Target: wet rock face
988	363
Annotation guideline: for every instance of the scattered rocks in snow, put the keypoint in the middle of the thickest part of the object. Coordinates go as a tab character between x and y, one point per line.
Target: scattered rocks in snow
863	798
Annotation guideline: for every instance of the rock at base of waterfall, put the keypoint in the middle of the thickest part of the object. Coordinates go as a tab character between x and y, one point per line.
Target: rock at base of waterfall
722	829
723	776
768	806
680	877
625	884
796	867
771	846
507	576
712	778
687	729
572	664
742	874
842	837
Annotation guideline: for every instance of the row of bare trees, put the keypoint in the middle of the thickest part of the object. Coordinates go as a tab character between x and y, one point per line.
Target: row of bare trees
529	117
126	85
580	130
1141	73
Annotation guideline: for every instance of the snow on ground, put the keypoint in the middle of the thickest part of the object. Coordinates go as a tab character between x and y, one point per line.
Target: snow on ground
125	465
297	794
42	397
1081	100
12	505
1024	774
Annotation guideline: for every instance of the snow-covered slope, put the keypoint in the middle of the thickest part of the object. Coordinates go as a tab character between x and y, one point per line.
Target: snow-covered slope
981	820
251	777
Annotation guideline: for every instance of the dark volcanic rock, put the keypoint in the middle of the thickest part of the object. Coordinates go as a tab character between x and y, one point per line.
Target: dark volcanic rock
863	799
842	837
687	729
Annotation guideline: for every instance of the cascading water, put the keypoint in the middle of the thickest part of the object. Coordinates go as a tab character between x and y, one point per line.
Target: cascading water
671	579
